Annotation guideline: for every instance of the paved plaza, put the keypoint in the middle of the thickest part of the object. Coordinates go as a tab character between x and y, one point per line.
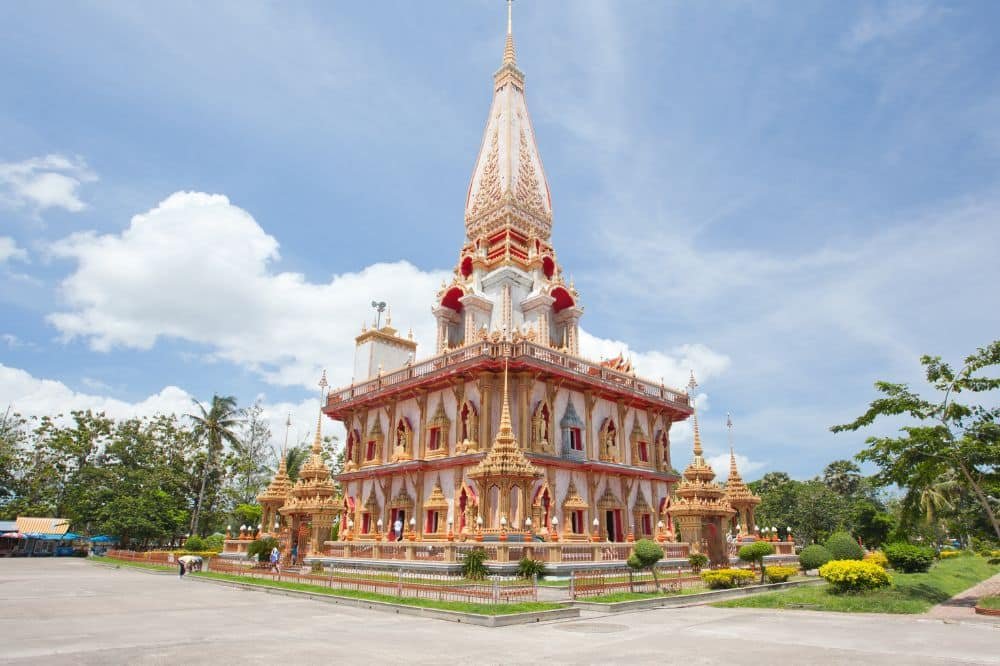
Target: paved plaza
70	611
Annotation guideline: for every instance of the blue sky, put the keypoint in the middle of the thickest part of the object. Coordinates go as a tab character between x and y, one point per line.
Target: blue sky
794	200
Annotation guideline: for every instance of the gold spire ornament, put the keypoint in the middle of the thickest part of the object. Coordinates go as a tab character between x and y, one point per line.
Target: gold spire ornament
509	56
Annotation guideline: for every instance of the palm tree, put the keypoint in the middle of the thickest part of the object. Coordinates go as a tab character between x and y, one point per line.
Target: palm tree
294	458
215	426
842	477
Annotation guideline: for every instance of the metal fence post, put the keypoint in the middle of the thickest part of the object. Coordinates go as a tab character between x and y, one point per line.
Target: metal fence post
572	584
496	591
399	582
534	587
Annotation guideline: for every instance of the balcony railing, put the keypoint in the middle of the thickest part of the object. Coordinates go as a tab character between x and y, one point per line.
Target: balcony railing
586	370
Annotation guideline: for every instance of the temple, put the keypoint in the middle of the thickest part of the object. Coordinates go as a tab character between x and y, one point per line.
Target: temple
505	432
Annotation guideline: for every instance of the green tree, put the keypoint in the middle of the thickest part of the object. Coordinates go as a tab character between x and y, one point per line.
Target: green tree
756	552
215	427
251	457
645	554
947	434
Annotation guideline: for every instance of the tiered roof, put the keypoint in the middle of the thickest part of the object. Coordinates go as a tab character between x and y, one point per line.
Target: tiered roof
737	492
698	493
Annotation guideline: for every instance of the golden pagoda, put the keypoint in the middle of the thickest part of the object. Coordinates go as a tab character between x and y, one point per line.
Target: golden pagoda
700	510
739	496
312	503
276	494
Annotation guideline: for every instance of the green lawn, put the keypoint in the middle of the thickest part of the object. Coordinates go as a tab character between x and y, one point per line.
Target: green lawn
910	593
990	602
465	607
137	565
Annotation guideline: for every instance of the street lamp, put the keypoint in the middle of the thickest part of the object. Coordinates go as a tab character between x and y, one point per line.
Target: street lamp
597	524
555	528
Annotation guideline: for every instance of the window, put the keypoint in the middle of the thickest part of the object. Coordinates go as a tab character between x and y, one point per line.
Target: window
366	523
647	524
644	452
434	441
575	441
370	451
431	525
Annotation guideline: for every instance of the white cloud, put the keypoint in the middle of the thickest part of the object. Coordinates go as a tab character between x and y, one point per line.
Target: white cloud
52	181
674	366
9	250
32	396
198	268
885	23
745	466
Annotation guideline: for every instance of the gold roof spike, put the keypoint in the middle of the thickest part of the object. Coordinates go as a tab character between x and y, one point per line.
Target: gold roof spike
737	492
509	56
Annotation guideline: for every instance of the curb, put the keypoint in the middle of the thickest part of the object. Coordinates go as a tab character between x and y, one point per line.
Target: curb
682	601
992	612
434	613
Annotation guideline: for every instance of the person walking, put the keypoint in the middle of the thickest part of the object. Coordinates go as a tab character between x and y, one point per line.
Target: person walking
182	568
274	559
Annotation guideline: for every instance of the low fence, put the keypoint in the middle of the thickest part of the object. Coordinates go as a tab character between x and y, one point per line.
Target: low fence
496	551
599	582
400	583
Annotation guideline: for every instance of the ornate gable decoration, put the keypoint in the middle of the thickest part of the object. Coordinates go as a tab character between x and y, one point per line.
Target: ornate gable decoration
573	499
436	500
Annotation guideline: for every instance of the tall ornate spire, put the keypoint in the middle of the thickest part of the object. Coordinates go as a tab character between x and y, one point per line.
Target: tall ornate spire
508	186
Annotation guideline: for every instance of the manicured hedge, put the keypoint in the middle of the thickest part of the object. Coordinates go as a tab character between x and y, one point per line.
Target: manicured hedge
908	558
777	574
854	575
722	579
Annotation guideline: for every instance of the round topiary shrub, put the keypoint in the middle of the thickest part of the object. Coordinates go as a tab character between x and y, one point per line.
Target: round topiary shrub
842	546
907	558
756	552
854	576
813	557
697	561
194	542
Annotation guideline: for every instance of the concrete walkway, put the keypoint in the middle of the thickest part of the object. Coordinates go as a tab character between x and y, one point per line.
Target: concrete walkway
961	606
68	611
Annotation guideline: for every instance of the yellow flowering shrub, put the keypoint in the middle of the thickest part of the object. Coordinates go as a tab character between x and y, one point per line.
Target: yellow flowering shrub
854	575
945	554
778	574
720	579
878	557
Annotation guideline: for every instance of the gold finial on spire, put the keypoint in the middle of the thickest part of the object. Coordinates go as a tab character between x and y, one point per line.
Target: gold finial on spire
692	385
317	446
284	447
509	57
